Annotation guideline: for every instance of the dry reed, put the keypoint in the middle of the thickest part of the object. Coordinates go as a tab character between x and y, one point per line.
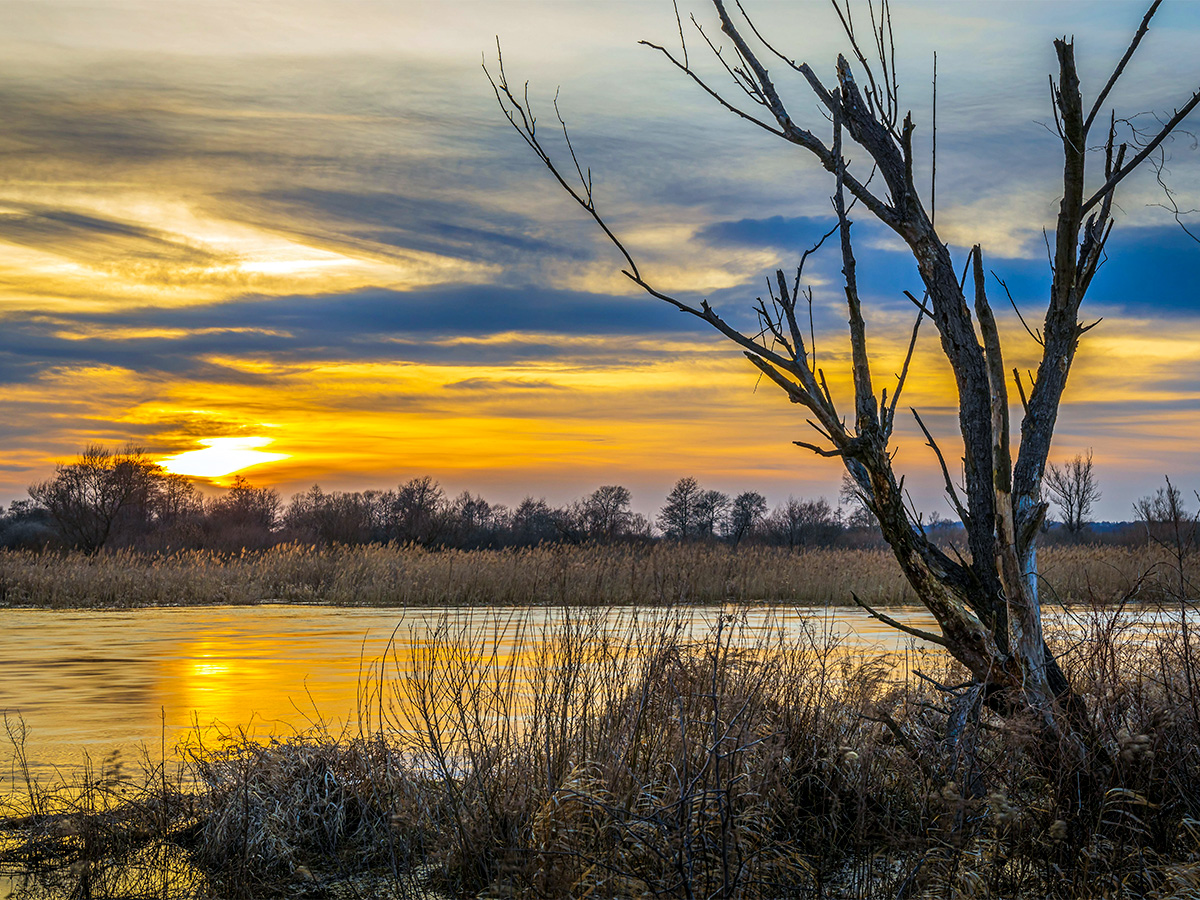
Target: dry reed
583	759
662	574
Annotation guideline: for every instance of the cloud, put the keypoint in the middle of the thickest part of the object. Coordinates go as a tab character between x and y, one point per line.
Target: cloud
794	234
502	384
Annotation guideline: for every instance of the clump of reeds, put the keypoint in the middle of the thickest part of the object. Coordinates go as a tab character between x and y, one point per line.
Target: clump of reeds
589	575
107	831
636	756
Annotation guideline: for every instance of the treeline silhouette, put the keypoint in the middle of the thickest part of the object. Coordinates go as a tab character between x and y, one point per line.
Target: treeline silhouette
122	499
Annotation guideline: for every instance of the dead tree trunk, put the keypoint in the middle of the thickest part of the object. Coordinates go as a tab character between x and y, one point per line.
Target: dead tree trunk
988	607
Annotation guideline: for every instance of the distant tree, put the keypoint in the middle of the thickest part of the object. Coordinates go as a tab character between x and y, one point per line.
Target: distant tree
101	496
1172	526
330	518
711	508
1074	490
26	526
417	512
857	512
473	522
177	502
680	516
804	523
535	522
178	513
606	512
244	517
746	514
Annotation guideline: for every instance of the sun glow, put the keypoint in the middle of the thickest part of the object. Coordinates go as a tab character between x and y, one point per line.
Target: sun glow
222	456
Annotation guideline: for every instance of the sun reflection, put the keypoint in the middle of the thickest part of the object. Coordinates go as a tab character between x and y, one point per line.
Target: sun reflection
221	456
206	668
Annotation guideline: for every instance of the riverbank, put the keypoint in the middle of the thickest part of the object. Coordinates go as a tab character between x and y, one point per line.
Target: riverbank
639	764
591	575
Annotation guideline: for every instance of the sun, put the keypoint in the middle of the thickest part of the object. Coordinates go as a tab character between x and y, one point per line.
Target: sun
221	456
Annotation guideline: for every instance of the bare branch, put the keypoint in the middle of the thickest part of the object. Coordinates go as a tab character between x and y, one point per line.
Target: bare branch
912	345
900	626
1133	45
1119	175
864	394
1037	336
963	515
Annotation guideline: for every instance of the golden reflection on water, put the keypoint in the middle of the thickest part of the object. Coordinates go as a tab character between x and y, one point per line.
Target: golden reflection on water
132	681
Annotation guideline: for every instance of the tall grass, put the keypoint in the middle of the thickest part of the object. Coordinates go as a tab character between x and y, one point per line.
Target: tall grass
576	760
662	574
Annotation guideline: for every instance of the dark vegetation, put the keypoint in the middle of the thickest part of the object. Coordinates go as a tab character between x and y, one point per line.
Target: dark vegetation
123	500
648	762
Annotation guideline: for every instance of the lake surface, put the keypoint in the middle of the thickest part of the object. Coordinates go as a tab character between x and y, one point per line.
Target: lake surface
114	684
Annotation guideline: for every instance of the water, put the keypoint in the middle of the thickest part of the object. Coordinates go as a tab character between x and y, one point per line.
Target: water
114	684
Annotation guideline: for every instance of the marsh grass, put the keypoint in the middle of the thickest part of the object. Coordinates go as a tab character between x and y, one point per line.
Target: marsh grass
589	575
578	759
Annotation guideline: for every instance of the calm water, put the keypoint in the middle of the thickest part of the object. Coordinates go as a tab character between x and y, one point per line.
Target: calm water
104	682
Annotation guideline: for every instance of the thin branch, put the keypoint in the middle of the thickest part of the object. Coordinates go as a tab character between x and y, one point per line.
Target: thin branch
1020	389
950	491
900	626
1133	45
1037	336
1119	175
526	127
912	344
933	174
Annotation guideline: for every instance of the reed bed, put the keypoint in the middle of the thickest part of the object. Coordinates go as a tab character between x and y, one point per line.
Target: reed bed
573	760
662	574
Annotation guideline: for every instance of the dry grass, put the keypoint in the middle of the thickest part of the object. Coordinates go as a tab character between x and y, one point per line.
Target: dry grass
573	760
663	574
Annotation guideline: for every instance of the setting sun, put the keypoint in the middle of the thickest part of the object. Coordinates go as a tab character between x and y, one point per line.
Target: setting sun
221	456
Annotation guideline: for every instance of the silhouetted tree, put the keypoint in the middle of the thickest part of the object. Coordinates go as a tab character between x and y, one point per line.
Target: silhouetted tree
606	512
1074	490
417	513
534	522
244	517
330	518
804	523
680	516
101	496
987	606
26	526
711	507
473	522
745	515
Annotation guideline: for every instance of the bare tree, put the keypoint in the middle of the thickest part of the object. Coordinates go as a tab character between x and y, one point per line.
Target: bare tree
748	511
100	495
711	507
804	523
1074	490
416	513
680	516
987	606
606	512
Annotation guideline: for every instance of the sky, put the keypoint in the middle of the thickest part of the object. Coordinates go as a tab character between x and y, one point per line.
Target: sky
302	235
